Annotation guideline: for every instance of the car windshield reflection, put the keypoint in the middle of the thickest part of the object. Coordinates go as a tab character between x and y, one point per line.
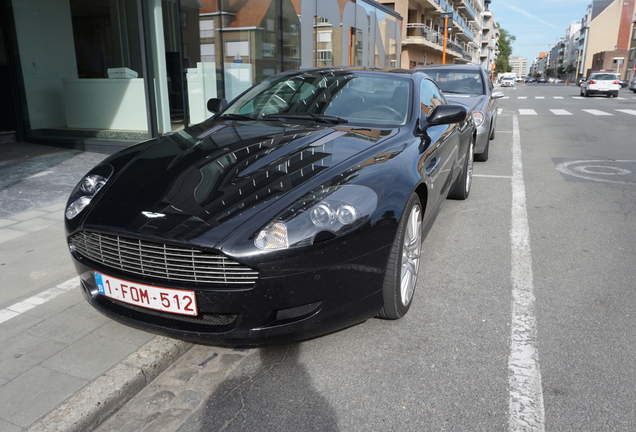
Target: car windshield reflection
333	98
458	81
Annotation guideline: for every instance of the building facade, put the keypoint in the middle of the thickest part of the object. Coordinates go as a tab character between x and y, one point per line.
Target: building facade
113	72
423	32
607	26
519	66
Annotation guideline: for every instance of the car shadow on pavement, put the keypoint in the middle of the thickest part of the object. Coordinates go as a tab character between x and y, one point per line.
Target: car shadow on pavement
274	392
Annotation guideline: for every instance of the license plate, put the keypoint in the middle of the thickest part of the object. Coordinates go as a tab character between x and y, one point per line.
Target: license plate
150	297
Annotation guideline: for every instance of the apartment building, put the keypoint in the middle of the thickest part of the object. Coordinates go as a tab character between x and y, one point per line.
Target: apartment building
519	65
606	27
423	32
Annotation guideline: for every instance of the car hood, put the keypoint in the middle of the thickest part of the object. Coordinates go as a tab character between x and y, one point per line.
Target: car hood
474	102
200	184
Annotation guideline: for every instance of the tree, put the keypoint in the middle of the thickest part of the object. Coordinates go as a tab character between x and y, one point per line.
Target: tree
549	72
560	71
502	64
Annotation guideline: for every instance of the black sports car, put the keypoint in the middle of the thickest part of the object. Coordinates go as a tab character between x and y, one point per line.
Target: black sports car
296	210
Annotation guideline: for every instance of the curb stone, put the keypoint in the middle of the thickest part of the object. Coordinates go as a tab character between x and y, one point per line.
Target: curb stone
101	398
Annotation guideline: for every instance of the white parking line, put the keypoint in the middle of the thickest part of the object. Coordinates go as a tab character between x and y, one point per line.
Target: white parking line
560	112
526	409
19	308
527	112
597	112
627	111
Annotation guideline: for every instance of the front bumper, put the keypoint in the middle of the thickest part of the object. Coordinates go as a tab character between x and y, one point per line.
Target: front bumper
276	309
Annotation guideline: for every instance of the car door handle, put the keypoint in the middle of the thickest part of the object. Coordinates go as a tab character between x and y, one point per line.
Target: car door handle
432	165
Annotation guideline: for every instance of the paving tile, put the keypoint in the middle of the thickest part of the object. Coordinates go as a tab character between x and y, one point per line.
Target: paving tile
57	305
56	216
35	393
8	427
7	234
90	356
32	214
123	333
33	225
24	351
58	207
17	325
7	222
71	325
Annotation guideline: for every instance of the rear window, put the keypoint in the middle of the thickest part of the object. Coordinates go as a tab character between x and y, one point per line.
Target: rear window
604	77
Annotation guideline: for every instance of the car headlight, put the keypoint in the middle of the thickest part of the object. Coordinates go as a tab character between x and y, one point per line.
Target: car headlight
86	189
321	215
478	118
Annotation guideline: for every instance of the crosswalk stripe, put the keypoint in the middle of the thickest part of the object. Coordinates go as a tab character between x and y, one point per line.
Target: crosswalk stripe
539	97
597	112
560	112
627	111
558	97
527	112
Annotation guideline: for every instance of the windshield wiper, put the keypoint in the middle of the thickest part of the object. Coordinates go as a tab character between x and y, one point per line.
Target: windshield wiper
236	117
323	118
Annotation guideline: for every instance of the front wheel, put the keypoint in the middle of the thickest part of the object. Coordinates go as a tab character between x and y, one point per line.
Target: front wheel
461	190
400	277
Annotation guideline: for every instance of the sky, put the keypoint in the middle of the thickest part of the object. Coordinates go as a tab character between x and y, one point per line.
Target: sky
537	24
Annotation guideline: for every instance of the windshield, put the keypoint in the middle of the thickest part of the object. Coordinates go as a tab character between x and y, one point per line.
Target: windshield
457	81
333	96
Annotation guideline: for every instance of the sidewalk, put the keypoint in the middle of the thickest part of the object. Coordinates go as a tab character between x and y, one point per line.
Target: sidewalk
63	366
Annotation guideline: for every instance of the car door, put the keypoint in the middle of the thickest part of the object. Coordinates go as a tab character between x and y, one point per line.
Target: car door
444	138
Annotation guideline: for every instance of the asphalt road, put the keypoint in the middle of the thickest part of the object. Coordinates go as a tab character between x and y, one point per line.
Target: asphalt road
523	318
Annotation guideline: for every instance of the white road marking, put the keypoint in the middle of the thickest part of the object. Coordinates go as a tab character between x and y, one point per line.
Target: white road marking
558	97
527	112
539	97
627	111
522	97
597	112
526	409
18	308
492	175
499	110
560	112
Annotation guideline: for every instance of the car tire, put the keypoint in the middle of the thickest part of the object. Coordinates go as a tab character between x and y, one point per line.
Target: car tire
483	156
492	133
461	189
400	278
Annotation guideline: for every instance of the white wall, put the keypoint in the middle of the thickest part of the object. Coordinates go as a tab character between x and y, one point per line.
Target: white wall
47	55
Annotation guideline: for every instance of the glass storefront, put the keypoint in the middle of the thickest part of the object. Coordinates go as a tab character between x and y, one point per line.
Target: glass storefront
121	71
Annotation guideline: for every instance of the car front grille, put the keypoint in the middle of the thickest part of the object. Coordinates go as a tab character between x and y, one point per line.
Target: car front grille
161	261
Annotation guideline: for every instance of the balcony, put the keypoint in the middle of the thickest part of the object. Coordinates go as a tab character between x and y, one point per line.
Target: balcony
419	33
469	7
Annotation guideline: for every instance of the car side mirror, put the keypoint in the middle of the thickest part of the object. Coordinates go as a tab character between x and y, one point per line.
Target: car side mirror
446	114
215	105
497	94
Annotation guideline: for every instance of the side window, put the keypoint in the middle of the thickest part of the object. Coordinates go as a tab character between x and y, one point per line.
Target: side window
430	96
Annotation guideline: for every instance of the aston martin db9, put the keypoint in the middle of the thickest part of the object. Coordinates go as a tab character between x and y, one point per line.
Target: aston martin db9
297	210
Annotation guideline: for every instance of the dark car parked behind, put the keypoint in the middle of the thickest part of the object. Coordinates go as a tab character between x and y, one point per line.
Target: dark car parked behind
471	86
